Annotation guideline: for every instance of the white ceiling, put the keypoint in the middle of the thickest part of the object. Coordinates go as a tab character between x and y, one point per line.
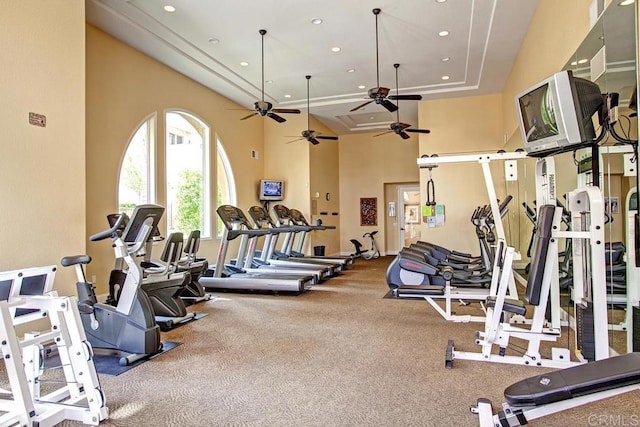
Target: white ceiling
484	38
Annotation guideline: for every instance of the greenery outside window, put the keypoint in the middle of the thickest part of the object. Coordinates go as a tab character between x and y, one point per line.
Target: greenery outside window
136	182
226	194
187	174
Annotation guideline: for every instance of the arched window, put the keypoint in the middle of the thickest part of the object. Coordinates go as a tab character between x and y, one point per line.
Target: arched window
136	183
187	174
226	194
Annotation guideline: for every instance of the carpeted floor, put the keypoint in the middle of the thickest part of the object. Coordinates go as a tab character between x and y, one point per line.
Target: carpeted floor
338	355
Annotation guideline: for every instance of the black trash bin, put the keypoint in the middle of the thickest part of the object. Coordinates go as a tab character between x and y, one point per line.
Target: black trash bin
318	250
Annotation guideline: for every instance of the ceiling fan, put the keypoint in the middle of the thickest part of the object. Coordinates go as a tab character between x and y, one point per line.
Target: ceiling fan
398	127
264	108
309	134
379	94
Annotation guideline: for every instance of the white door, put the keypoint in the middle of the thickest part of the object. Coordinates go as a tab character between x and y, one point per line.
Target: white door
409	214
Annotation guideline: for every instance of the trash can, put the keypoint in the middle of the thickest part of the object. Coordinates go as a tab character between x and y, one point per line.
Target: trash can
318	250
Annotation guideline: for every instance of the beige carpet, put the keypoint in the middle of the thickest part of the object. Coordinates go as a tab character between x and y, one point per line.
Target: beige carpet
338	355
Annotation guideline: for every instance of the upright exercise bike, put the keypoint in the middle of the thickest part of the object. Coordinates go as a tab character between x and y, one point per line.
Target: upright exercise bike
129	329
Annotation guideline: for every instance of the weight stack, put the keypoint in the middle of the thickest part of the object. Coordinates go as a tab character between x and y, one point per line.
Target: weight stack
585	331
636	328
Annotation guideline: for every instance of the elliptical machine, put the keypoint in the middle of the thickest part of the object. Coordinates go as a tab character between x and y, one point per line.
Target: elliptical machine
128	329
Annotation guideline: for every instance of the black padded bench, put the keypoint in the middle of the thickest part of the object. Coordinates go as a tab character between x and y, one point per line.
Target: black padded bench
576	381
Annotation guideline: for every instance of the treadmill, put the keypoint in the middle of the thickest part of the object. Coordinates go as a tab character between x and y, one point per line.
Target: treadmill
222	276
280	259
263	220
295	219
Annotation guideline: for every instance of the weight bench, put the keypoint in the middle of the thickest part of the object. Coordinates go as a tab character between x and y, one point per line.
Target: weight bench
557	391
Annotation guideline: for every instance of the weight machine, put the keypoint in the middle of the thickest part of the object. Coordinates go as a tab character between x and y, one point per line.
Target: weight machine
79	397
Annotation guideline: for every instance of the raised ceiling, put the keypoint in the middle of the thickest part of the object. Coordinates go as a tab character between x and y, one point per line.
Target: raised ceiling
207	41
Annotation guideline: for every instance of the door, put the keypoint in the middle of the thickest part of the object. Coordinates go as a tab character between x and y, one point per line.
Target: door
408	214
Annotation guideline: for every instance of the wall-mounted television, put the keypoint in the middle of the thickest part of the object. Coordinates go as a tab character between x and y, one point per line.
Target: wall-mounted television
556	114
271	189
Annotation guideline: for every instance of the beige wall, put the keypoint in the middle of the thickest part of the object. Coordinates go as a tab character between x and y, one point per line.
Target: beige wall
123	88
366	164
325	179
307	169
459	125
43	171
555	32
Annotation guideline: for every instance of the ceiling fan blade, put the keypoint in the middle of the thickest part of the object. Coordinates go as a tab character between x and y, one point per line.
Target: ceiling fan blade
249	116
404	135
295	140
406	97
329	137
313	141
286	110
361	105
418	130
389	105
383	133
276	117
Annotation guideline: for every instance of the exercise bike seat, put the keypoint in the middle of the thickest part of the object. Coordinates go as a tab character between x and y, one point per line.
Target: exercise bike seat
576	381
514	306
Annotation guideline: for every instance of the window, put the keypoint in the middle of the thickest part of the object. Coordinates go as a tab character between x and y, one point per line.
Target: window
187	174
136	183
226	194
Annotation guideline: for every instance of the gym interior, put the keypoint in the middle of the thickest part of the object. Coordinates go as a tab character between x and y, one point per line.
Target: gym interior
363	347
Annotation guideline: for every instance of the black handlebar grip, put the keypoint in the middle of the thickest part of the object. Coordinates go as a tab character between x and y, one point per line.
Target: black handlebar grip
110	232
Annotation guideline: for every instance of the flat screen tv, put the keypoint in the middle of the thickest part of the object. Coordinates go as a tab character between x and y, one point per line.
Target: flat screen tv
555	114
271	190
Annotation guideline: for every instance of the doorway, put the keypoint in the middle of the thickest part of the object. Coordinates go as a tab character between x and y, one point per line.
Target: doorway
408	214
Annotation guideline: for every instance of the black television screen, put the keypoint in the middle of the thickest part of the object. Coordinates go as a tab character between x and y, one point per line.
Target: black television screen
271	189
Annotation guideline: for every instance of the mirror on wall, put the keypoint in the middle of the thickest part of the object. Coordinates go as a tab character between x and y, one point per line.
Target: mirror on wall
607	56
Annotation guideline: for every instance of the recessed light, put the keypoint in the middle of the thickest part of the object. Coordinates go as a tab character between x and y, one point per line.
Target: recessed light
440	1
574	63
214	40
335	49
169	8
443	33
287	96
268	81
316	21
626	2
361	87
351	70
445	59
583	61
371	117
445	77
244	63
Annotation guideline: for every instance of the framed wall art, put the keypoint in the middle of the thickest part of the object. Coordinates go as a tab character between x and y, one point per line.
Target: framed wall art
368	211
